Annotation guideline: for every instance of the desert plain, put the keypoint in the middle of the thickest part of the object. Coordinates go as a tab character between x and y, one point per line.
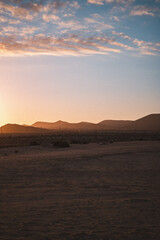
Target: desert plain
106	191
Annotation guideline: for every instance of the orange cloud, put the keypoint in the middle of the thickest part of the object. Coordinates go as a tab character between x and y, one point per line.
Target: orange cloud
53	46
73	34
99	2
50	17
16	11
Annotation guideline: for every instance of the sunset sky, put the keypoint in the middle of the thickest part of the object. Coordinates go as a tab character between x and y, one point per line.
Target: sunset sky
85	60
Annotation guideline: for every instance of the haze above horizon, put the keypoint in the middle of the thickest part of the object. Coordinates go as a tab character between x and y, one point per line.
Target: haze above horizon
86	60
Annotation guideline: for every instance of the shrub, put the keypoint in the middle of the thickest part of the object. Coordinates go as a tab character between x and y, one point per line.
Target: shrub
84	142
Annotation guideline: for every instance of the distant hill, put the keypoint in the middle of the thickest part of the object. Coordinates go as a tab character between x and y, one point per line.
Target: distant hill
51	125
15	128
88	126
60	125
115	124
147	123
150	123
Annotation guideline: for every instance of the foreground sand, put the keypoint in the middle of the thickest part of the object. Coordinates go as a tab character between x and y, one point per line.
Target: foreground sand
84	192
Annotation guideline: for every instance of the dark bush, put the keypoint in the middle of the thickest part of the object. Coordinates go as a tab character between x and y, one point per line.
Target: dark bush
141	139
84	142
61	144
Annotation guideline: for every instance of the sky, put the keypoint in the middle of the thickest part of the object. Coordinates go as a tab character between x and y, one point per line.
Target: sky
84	60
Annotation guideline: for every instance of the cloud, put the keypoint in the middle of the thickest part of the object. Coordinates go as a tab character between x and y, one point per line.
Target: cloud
96	15
157	44
147	48
98	25
115	18
118	44
27	30
24	41
15	11
38	5
50	17
122	35
111	41
27	27
9	29
147	52
143	47
72	45
28	10
138	42
98	2
21	31
107	49
13	21
141	10
68	15
3	19
75	4
101	2
70	24
109	1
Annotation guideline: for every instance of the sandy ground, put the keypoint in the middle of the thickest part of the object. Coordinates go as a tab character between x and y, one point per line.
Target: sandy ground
92	191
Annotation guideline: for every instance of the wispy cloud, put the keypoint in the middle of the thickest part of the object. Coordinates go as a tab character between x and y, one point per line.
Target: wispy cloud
59	27
28	10
98	2
70	24
98	25
16	11
122	35
142	10
3	19
115	18
75	4
50	17
69	45
102	2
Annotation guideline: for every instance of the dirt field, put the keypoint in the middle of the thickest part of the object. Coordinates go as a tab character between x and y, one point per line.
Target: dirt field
85	192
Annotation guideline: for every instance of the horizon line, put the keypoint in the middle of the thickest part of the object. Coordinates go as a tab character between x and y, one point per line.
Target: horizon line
22	124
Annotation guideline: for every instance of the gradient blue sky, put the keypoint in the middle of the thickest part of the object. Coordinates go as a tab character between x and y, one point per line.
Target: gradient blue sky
80	60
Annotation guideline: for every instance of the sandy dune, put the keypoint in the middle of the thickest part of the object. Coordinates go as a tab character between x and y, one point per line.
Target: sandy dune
83	192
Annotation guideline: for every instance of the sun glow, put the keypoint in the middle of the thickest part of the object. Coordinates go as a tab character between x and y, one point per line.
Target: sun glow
2	114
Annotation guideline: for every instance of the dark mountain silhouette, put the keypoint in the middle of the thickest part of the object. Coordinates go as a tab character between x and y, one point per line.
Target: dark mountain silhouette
114	124
150	122
87	126
60	125
51	125
15	128
147	123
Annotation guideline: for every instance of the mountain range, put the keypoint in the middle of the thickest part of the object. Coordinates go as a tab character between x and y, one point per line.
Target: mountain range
148	123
